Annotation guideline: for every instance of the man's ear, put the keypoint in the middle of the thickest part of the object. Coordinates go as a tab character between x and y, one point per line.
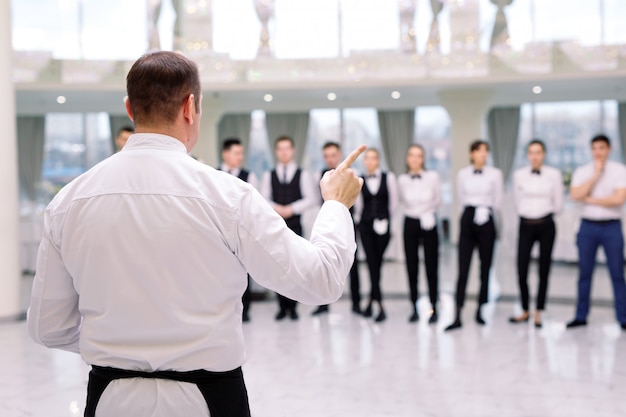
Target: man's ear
128	110
189	109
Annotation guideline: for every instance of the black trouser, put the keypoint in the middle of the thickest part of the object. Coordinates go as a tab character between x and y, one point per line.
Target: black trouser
472	235
531	231
224	392
284	303
246	298
374	246
413	235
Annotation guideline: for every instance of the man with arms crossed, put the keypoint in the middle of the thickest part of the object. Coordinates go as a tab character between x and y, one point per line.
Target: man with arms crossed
143	260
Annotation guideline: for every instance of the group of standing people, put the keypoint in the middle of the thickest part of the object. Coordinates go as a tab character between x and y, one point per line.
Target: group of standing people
538	192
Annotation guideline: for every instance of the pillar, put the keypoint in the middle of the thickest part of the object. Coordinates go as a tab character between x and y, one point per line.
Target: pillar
467	110
207	147
10	275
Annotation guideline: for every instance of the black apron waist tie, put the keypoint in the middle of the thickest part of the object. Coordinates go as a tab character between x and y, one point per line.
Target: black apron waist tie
224	392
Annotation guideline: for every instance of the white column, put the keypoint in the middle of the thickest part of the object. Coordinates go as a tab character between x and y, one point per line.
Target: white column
467	110
206	148
9	215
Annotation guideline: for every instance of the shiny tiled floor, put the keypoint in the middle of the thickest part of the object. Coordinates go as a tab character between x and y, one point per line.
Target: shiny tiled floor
344	365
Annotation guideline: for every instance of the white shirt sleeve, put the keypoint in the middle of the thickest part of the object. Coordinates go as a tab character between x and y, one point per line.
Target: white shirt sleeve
392	186
53	317
460	192
309	194
312	272
436	192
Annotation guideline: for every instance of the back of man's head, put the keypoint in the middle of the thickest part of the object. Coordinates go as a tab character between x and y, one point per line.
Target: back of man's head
158	84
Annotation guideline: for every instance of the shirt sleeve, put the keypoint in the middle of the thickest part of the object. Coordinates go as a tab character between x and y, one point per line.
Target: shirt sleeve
311	272
436	184
620	180
309	194
266	186
577	178
460	192
53	317
392	186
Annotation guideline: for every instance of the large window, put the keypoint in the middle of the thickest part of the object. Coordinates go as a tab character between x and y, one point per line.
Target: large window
567	128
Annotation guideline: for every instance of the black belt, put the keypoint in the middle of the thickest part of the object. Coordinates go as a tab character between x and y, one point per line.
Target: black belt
540	220
607	221
224	392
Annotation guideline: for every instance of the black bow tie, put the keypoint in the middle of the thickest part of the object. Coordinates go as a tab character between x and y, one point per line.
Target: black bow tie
536	172
478	171
371	176
416	176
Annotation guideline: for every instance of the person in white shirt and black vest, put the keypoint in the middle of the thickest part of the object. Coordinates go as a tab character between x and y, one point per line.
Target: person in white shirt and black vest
143	260
232	162
290	191
538	192
419	192
373	211
601	188
332	157
479	192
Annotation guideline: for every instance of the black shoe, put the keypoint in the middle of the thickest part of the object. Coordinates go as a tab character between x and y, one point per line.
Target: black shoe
357	310
281	315
381	316
245	317
576	323
414	317
368	311
518	319
293	315
623	325
479	318
320	310
538	324
456	325
433	318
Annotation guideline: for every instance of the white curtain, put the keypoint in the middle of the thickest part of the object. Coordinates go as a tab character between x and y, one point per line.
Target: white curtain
503	125
397	128
621	123
30	151
234	125
116	122
294	125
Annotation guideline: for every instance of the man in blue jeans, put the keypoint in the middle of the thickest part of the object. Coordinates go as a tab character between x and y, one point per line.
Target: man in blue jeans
601	187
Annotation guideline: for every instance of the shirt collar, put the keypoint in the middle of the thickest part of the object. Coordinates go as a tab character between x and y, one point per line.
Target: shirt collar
374	174
153	141
226	168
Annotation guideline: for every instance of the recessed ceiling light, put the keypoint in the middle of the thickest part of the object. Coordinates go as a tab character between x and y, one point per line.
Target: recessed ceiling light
395	95
61	99
331	96
537	89
268	98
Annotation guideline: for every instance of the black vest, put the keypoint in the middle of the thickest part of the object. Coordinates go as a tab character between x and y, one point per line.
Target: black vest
376	206
243	174
286	194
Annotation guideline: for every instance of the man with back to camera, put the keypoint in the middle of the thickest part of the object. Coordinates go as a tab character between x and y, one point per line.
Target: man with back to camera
290	191
332	157
143	260
122	137
601	187
232	162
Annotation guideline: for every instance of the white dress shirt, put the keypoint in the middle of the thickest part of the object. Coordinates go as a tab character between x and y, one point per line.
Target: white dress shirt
612	179
538	194
421	195
373	184
252	179
143	263
307	189
479	189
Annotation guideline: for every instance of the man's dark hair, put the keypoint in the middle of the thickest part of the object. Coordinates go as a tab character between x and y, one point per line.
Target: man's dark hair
284	138
127	128
158	84
477	144
229	143
536	142
601	138
331	144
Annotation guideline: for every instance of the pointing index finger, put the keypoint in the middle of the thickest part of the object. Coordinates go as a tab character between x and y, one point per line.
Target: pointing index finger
351	158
